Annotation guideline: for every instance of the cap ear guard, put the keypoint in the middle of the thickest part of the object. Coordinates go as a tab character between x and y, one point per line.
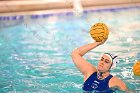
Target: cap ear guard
114	60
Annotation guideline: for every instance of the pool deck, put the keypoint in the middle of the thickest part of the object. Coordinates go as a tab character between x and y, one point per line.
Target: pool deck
27	7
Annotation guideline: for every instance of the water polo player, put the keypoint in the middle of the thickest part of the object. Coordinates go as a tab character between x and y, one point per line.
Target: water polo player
97	79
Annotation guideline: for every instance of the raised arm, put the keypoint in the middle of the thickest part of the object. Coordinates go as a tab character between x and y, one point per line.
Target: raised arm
85	67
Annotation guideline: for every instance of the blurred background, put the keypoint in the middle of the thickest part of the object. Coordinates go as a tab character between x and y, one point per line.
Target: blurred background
37	38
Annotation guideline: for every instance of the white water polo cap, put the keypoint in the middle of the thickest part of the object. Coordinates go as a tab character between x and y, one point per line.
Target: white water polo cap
114	59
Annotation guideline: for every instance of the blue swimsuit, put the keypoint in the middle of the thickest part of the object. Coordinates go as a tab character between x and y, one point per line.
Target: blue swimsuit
97	85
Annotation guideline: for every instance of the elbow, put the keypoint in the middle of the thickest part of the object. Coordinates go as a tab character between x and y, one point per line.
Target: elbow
75	52
123	87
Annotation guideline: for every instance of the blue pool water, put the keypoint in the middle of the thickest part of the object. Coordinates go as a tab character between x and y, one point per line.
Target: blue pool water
35	52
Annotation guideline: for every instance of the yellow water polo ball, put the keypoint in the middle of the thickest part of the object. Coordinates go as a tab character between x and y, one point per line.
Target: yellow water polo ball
99	32
136	68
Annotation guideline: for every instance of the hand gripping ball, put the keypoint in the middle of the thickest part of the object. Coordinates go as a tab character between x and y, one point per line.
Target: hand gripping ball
99	32
136	68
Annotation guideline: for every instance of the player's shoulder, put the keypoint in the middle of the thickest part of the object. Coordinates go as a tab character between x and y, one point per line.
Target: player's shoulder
115	79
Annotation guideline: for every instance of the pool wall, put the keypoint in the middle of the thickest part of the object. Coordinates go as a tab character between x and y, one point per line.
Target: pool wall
13	7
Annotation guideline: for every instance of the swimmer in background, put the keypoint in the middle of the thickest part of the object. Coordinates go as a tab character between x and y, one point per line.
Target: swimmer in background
98	80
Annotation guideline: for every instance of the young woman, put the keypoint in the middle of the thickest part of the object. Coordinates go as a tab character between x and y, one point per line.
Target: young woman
97	79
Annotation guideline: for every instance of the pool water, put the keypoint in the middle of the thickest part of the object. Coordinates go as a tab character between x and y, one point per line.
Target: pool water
35	52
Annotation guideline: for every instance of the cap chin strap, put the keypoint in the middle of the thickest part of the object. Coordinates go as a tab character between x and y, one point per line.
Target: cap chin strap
100	74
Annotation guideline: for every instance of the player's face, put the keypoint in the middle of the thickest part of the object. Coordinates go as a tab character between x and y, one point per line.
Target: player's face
104	64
